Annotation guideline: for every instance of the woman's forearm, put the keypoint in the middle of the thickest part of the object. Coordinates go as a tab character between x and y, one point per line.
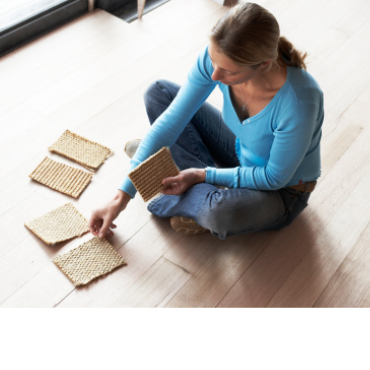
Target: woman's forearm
122	199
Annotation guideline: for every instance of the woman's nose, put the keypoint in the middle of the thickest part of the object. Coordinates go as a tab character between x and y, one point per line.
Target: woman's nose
216	75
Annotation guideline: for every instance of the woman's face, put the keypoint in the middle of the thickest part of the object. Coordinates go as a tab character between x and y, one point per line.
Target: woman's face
227	71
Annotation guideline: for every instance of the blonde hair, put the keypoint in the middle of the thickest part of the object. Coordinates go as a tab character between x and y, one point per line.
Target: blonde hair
249	35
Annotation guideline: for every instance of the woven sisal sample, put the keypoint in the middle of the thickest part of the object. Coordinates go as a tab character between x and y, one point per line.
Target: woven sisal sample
148	176
59	225
90	260
58	176
81	150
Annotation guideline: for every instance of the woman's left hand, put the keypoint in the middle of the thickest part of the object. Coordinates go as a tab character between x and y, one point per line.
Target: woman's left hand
178	185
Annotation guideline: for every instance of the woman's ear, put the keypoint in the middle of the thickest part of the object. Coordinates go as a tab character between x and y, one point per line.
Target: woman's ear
266	64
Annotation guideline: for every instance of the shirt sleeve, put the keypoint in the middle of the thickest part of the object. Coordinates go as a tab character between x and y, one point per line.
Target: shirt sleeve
292	138
170	124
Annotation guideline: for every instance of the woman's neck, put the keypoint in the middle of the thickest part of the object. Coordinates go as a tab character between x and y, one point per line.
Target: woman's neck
269	81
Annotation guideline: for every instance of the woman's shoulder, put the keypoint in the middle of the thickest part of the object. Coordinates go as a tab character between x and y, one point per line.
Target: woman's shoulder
204	63
303	85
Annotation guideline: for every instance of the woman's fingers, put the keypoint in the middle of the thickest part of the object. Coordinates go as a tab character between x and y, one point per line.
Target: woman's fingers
168	181
174	189
105	229
101	220
95	224
168	191
96	228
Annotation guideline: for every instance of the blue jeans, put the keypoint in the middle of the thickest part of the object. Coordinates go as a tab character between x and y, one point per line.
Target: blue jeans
207	141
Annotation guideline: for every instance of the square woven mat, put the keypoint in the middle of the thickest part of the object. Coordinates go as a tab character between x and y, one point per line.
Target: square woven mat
90	260
59	225
58	176
147	177
86	152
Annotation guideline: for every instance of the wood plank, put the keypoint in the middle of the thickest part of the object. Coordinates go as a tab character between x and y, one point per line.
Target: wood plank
101	61
67	37
350	285
43	67
116	78
269	271
314	271
156	287
17	120
354	81
12	227
22	263
45	289
215	266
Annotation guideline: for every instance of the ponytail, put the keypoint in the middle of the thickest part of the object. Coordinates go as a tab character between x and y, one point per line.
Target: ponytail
288	55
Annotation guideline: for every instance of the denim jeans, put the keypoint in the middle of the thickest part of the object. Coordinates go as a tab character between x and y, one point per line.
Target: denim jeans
207	141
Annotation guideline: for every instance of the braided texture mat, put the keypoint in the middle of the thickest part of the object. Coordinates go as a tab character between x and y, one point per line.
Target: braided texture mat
58	176
81	150
147	177
59	225
90	260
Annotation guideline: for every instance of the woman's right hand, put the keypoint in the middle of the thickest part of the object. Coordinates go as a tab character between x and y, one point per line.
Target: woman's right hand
101	220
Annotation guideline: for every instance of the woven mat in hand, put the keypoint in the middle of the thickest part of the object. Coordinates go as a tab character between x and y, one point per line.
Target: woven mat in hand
90	260
81	150
147	177
58	176
59	225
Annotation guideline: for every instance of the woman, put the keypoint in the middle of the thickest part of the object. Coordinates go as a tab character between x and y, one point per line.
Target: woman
264	147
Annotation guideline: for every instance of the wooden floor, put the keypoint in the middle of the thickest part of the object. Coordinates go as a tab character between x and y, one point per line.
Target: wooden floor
89	76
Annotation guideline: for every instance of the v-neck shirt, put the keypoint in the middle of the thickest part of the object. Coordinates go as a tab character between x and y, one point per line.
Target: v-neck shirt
227	95
277	147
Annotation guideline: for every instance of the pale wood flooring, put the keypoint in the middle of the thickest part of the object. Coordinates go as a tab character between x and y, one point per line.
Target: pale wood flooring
89	76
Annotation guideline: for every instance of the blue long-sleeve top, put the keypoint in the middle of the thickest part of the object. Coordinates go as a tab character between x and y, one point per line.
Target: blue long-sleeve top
278	147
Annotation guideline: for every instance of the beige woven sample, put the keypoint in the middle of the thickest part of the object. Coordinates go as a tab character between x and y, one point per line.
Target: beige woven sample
61	224
58	176
81	150
147	177
90	260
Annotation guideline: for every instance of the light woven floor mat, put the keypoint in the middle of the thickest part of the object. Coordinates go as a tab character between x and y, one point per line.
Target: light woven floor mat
81	150
58	225
90	260
58	176
147	177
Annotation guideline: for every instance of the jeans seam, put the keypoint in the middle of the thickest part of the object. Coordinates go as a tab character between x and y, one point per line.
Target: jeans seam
194	143
216	141
154	201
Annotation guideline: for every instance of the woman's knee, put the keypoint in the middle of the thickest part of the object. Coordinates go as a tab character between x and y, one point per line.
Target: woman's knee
225	216
160	91
215	217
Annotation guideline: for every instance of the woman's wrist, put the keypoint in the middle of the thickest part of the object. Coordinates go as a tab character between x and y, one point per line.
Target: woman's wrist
122	199
202	172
